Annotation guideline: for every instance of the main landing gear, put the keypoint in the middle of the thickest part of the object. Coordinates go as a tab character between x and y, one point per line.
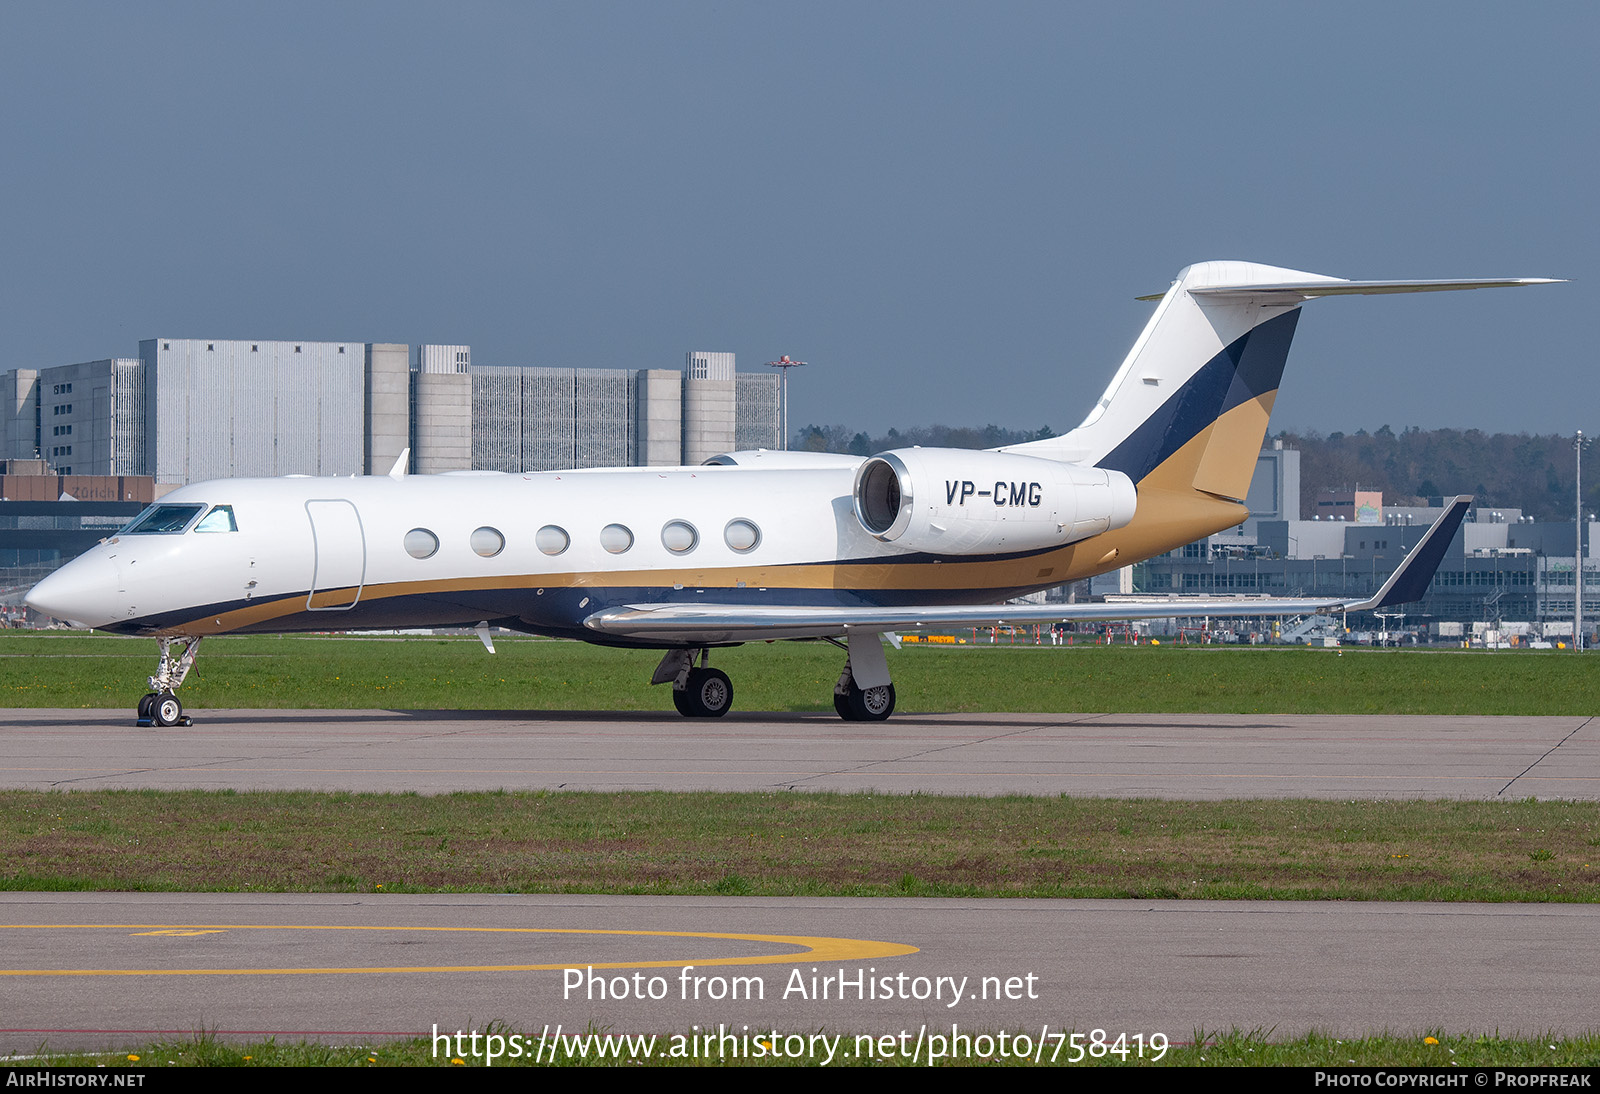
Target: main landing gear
702	692
863	693
856	704
160	707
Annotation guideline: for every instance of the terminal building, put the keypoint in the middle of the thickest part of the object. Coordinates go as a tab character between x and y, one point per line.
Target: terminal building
1502	565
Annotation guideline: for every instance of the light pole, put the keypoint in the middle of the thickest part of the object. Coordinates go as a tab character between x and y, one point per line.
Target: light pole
1577	577
784	364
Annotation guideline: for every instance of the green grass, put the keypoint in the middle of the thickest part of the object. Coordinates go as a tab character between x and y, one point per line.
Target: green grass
772	844
77	670
1233	1049
783	844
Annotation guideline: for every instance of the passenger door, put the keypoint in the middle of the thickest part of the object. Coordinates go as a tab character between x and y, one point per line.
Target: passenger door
341	555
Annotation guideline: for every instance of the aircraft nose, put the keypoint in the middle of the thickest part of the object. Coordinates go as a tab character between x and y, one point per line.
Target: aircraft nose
81	592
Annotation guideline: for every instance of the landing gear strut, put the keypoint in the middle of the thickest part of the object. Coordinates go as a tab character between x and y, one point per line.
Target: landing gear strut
864	692
160	707
702	692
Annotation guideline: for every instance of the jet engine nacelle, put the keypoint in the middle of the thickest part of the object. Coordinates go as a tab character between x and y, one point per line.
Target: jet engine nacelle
955	502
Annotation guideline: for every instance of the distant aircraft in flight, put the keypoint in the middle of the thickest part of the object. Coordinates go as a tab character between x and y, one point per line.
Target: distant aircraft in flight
753	545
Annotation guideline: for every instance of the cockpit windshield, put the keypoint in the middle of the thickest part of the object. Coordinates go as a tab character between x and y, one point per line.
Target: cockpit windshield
162	520
220	519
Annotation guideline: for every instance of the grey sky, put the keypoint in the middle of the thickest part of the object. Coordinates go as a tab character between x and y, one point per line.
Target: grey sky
946	208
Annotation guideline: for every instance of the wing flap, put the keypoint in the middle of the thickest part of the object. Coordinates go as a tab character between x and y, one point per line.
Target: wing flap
716	623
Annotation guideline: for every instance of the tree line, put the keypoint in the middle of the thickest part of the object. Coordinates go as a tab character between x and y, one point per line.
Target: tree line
839	438
1533	472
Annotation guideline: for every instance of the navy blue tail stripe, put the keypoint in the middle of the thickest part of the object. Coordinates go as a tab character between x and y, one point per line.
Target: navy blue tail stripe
1248	368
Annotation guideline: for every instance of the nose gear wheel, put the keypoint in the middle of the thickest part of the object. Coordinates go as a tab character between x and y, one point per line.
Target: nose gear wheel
160	707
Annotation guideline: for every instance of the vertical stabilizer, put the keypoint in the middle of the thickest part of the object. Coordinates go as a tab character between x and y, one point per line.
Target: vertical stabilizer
1189	406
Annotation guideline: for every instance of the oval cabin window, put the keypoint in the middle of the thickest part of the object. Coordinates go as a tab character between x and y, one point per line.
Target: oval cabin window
616	538
552	540
487	542
679	536
421	543
741	535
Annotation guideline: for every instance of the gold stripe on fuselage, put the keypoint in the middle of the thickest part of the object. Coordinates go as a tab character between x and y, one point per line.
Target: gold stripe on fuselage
1171	512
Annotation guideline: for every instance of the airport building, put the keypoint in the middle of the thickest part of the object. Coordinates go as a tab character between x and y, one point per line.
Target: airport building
187	410
542	419
87	445
85	419
1502	565
221	410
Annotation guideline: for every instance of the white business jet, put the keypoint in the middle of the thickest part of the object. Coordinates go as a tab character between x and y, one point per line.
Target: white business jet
753	545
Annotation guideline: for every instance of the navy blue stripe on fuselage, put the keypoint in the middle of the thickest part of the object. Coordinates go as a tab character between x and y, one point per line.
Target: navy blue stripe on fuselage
1246	369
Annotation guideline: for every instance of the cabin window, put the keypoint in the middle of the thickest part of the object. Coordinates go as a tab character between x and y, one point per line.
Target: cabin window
421	543
742	535
552	540
616	538
679	536
487	542
159	520
219	519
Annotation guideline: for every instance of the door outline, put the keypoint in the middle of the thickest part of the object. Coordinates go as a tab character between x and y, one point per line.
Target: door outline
324	557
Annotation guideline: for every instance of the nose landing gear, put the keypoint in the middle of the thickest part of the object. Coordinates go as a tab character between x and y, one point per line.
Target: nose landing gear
160	707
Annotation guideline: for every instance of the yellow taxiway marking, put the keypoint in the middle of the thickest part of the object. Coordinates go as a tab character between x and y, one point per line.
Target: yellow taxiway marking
810	947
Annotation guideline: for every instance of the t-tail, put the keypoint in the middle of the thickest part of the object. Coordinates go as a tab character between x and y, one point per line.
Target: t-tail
1185	415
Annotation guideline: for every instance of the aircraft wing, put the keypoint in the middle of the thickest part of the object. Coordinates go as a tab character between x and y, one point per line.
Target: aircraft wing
710	623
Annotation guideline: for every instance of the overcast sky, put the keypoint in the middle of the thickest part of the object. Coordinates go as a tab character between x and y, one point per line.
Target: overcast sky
947	209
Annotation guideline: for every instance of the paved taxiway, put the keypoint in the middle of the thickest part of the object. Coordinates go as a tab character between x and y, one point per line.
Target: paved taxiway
1198	756
227	963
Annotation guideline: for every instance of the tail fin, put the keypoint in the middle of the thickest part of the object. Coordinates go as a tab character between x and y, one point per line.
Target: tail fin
1188	409
1190	402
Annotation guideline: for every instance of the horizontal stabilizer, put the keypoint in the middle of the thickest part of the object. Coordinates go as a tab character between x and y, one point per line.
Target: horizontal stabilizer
1305	290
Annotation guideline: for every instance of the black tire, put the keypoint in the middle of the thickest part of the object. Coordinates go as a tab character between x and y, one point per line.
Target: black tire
871	704
165	710
709	693
680	699
841	706
145	703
